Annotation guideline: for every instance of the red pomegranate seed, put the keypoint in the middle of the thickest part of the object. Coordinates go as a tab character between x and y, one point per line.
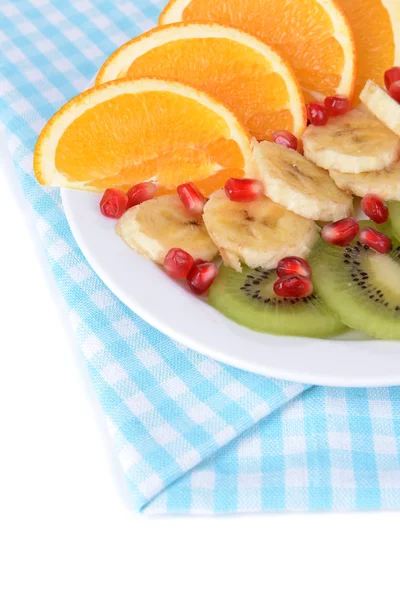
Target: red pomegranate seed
394	91
113	203
191	197
341	233
317	114
293	265
243	190
141	192
375	240
285	138
178	263
392	75
294	286
201	277
375	208
337	105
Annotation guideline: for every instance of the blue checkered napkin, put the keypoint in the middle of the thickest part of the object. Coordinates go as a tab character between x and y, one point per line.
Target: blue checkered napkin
191	434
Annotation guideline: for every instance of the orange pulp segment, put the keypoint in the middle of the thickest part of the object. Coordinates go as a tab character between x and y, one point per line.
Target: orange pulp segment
124	132
238	69
376	29
313	36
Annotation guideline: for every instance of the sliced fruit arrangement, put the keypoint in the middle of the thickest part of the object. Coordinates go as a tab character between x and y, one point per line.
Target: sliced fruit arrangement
360	285
257	233
355	283
155	226
352	143
125	132
376	29
318	44
196	133
258	86
384	183
249	299
298	184
384	104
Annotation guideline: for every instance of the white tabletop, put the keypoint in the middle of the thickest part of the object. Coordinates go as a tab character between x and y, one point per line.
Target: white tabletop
66	527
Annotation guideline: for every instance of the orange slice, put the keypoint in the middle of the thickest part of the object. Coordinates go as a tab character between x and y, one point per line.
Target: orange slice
237	68
376	29
123	132
313	36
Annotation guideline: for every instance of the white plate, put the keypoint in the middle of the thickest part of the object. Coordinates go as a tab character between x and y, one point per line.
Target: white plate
169	307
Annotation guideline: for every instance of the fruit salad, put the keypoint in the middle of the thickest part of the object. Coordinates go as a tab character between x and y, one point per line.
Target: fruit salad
247	182
295	261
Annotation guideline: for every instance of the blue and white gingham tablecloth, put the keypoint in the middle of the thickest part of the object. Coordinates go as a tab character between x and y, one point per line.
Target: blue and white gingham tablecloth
192	435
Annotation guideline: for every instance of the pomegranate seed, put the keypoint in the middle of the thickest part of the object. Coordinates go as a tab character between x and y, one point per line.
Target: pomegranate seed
191	197
341	233
375	240
317	114
294	286
243	190
337	105
113	203
392	75
394	91
375	208
178	263
201	277
285	138
141	192
293	265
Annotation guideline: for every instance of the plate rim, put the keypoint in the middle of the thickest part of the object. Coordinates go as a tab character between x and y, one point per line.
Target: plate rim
276	371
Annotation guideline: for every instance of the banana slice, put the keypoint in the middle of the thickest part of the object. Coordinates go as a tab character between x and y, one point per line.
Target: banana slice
257	233
154	227
380	104
384	183
352	143
296	183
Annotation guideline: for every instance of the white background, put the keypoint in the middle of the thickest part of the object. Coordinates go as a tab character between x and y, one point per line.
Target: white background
66	527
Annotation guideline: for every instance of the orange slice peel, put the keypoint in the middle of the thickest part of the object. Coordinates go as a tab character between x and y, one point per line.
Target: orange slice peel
128	131
376	29
237	68
313	36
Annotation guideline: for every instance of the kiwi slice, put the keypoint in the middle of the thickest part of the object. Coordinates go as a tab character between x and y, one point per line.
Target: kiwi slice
360	285
394	217
248	298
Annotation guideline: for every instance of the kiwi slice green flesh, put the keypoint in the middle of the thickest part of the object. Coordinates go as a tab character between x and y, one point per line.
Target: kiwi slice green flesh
394	217
248	298
360	285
